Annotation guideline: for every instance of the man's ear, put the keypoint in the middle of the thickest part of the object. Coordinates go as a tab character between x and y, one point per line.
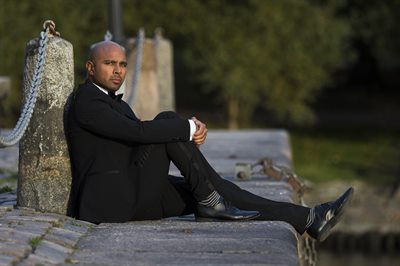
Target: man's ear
90	68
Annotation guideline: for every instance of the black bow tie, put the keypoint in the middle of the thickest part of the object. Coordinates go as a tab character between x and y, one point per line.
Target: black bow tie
114	96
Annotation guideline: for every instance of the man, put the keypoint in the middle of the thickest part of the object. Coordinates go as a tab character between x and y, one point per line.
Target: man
120	164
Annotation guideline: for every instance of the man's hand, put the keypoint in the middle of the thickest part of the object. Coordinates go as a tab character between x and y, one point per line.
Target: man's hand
200	135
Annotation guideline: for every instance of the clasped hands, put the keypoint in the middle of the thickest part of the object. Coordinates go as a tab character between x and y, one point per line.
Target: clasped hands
200	135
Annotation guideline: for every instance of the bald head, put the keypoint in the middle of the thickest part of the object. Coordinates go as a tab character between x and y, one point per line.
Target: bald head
106	65
98	47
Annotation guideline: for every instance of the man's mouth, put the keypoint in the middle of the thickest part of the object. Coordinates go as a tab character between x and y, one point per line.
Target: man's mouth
116	80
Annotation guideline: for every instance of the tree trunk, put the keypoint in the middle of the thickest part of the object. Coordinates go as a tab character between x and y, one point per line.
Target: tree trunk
233	113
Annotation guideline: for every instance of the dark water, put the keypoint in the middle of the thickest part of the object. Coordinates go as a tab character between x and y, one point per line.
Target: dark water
326	258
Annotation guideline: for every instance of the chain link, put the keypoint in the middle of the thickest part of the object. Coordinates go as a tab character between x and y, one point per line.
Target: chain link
307	247
30	98
138	63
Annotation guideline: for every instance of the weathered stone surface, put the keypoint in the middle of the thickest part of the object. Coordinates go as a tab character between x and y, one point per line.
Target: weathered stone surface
183	241
224	149
8	157
189	243
63	237
8	199
44	167
55	237
177	240
6	260
37	228
52	251
165	73
15	250
155	89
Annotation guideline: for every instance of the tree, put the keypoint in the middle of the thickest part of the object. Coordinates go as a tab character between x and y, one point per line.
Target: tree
80	22
273	54
375	27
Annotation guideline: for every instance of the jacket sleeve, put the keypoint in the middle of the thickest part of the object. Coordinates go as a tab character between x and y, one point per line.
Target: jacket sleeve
97	116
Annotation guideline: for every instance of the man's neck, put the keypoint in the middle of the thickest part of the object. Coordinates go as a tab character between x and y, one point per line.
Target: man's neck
100	88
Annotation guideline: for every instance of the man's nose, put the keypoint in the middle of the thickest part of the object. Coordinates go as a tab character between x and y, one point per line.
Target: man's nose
117	69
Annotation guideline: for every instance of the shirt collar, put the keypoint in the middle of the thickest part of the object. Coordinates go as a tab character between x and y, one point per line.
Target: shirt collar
119	96
100	88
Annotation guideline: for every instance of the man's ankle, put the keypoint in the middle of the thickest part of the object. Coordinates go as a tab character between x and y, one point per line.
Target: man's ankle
211	200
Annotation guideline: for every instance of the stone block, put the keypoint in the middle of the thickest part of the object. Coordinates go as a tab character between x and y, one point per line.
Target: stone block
154	91
44	166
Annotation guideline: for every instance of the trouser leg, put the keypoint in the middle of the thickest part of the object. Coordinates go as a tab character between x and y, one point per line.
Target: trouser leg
269	210
203	179
160	195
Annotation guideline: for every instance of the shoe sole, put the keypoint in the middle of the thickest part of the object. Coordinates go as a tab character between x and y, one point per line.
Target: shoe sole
206	219
332	222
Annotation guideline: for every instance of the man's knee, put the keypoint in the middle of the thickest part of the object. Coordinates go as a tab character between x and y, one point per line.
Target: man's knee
167	115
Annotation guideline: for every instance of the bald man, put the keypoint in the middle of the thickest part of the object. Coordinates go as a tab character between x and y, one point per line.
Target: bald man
120	164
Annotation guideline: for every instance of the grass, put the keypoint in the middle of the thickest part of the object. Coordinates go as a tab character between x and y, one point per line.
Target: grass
5	189
8	183
34	242
325	155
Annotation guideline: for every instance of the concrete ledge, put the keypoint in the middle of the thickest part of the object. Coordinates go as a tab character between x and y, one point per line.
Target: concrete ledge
189	243
178	240
181	240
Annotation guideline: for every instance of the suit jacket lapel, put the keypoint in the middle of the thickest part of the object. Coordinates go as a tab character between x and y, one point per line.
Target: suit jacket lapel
119	106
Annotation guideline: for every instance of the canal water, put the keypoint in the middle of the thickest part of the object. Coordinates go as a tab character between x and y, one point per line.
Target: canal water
369	232
326	258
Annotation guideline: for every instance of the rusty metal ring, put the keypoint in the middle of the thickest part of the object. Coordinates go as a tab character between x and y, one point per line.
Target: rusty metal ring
52	27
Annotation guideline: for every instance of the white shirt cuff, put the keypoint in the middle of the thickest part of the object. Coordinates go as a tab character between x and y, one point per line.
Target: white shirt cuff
192	129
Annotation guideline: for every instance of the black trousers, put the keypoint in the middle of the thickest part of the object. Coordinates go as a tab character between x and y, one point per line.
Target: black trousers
161	195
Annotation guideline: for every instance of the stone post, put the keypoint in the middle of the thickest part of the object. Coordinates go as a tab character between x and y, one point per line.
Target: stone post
155	89
44	167
165	74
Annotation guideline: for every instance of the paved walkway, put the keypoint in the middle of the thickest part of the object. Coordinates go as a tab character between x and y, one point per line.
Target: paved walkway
29	238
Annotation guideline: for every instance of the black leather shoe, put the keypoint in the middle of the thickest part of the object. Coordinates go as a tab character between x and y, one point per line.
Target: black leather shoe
327	215
224	210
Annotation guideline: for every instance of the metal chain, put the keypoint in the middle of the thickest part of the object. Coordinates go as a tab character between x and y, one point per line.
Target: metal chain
30	98
138	63
308	251
307	248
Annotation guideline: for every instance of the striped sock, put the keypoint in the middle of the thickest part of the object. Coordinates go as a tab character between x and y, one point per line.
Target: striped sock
211	200
310	218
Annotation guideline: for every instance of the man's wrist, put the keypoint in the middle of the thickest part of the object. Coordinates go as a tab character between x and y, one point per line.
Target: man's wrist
192	129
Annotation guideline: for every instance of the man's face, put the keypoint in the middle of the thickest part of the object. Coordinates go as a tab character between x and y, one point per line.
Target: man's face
107	67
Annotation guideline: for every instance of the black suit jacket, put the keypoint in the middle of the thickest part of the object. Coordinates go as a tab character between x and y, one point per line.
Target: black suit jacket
104	137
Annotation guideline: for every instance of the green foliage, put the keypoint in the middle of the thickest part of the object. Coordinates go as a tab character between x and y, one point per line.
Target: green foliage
5	189
376	24
325	155
80	22
274	55
34	242
8	181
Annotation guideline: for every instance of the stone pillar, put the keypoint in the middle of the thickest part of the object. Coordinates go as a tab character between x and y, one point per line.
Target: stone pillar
165	74
155	90
44	167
